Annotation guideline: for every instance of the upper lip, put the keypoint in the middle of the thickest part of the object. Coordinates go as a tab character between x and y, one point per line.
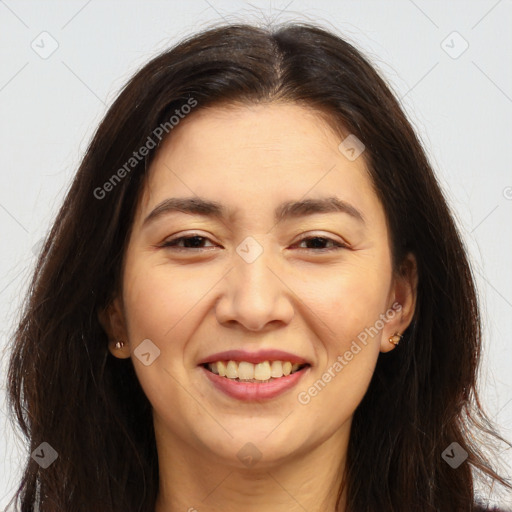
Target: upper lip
253	357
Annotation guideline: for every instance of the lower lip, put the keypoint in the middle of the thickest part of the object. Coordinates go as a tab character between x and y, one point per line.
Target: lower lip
252	390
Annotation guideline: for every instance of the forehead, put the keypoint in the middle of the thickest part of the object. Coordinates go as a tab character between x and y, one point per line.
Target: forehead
247	154
272	133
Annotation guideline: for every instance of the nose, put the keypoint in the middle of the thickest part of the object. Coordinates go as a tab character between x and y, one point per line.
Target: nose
255	294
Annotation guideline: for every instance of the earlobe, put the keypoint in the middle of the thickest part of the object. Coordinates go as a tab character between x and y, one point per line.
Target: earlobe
111	319
404	295
395	339
119	349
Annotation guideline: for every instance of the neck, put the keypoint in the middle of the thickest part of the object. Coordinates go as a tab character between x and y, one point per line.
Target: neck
194	481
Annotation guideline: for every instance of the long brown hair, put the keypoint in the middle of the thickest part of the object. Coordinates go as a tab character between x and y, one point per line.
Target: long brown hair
67	390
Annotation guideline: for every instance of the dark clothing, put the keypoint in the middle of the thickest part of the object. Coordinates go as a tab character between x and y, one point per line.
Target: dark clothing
490	508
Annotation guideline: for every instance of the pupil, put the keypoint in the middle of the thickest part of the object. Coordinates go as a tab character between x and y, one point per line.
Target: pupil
316	241
194	241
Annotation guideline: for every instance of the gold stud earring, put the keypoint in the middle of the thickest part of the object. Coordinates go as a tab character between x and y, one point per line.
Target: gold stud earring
119	344
395	339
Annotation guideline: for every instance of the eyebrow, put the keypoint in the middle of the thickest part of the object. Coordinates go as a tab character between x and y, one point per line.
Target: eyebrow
286	210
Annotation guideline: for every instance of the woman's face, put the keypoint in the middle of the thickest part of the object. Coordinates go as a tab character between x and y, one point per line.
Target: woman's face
314	282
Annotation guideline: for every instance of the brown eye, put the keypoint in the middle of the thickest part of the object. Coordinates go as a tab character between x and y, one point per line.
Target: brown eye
189	242
318	241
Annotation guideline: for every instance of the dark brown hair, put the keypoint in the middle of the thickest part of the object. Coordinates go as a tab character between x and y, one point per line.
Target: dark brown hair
66	389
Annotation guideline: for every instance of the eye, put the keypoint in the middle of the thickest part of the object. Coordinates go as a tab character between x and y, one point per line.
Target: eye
195	241
321	240
190	242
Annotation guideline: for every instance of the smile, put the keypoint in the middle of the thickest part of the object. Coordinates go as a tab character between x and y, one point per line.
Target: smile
259	372
254	381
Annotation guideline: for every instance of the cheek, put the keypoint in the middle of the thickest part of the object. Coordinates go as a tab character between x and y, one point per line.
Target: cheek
350	304
159	300
156	309
165	305
159	306
349	299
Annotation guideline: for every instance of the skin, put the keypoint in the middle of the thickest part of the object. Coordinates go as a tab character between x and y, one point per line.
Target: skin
294	296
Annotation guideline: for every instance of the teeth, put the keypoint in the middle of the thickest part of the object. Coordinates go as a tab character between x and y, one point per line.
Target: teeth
262	371
232	370
244	370
276	370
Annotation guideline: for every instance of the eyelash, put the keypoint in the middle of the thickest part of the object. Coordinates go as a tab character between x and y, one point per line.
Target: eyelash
172	243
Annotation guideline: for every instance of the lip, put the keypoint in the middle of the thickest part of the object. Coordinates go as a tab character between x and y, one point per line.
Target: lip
250	391
254	357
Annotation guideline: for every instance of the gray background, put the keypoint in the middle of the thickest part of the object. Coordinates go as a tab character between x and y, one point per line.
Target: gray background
459	101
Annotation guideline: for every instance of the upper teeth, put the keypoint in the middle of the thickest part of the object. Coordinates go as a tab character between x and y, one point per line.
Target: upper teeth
246	371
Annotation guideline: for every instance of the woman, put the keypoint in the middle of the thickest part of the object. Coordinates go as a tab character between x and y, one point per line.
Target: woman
254	297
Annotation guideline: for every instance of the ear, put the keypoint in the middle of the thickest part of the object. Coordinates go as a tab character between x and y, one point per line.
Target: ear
112	320
402	301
